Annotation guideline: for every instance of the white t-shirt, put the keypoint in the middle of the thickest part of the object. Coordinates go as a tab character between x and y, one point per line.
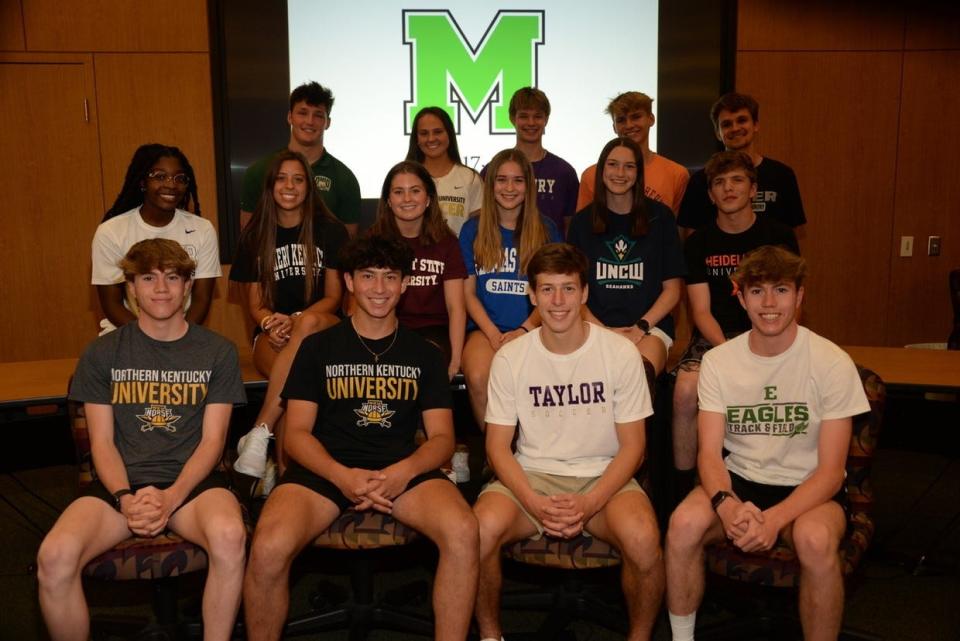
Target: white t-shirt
116	236
568	404
773	405
459	193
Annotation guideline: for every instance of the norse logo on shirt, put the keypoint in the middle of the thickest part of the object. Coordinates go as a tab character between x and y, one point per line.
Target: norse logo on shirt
374	413
157	417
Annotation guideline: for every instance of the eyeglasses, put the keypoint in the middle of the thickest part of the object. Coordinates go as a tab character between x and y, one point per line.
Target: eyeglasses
162	177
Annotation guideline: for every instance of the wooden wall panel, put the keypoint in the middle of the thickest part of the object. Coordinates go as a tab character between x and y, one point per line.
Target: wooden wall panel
50	178
844	155
933	25
927	197
164	98
819	25
11	26
116	25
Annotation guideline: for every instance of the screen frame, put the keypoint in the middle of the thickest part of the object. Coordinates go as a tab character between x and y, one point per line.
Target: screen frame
249	63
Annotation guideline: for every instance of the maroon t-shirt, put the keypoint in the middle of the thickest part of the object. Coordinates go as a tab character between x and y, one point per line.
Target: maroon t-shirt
423	304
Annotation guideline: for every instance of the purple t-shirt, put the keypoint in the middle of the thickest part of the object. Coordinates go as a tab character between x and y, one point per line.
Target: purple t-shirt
557	187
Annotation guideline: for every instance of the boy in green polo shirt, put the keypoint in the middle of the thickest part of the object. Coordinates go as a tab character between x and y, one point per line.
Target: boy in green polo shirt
309	118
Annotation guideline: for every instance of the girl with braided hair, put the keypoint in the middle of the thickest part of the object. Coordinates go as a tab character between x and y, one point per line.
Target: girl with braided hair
158	199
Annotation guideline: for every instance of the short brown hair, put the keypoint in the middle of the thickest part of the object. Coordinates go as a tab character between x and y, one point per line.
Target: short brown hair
157	253
558	258
770	264
723	162
734	101
630	101
529	98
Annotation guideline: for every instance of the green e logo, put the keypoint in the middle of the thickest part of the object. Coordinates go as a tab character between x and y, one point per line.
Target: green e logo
448	72
770	393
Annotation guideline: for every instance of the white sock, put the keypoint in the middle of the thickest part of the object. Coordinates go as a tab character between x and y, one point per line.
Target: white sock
682	625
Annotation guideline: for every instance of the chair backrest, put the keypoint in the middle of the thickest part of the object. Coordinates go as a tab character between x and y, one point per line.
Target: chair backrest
863	444
81	442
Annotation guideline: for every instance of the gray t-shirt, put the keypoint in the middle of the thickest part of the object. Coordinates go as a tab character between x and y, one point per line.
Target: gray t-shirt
159	391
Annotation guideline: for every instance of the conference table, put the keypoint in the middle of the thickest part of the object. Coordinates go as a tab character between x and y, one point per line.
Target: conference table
42	385
927	370
39	387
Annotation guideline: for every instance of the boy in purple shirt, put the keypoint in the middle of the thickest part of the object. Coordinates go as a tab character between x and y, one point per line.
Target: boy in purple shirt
557	182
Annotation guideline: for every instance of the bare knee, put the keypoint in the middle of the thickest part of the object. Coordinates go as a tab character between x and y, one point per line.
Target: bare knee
641	546
271	551
476	376
461	536
58	560
227	540
688	526
491	528
685	394
816	546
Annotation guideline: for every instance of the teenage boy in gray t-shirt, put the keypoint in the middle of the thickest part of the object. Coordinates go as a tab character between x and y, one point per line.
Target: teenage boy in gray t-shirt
157	393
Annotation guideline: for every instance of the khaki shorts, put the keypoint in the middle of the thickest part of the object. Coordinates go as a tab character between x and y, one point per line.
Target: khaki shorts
549	484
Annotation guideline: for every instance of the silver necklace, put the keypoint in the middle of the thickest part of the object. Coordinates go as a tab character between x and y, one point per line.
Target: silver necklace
376	356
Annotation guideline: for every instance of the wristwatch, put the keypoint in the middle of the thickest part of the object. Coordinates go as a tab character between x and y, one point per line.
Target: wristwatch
643	325
119	494
719	498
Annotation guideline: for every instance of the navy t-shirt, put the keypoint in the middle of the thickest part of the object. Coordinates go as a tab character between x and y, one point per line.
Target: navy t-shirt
626	272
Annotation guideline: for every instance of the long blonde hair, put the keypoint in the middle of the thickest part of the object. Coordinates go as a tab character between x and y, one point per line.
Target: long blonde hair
530	233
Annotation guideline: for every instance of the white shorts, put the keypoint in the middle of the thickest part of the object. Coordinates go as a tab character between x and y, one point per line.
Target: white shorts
662	335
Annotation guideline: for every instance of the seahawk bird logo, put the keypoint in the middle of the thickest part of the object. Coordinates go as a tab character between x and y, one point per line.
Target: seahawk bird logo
620	246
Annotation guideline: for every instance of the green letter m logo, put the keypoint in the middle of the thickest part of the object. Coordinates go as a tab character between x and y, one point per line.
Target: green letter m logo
445	69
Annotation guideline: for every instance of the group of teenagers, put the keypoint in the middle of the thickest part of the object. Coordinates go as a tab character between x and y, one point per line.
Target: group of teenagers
360	336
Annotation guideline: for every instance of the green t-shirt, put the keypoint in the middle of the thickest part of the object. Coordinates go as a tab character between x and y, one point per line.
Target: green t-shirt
336	183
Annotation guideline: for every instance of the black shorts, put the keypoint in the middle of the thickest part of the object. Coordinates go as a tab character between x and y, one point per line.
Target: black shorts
438	335
300	475
214	480
765	496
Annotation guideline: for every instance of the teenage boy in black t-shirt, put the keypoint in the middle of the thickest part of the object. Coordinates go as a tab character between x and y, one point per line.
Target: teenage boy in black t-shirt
736	121
712	254
354	396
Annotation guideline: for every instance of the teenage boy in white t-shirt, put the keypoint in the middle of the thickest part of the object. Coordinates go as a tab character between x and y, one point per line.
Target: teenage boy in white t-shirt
580	396
780	400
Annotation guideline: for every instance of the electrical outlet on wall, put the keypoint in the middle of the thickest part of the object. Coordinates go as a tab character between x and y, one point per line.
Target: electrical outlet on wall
933	246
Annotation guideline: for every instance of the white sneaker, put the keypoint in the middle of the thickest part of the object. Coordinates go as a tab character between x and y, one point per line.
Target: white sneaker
252	450
263	487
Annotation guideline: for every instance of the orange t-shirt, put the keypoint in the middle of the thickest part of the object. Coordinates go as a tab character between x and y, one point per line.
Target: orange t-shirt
664	181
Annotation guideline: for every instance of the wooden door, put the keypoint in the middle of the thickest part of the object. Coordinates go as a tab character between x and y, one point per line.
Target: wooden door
51	183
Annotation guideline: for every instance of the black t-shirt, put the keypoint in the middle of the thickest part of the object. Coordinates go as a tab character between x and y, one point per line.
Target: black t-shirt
627	273
368	412
712	255
328	236
778	195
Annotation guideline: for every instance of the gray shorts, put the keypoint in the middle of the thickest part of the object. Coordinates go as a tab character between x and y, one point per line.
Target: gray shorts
548	484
